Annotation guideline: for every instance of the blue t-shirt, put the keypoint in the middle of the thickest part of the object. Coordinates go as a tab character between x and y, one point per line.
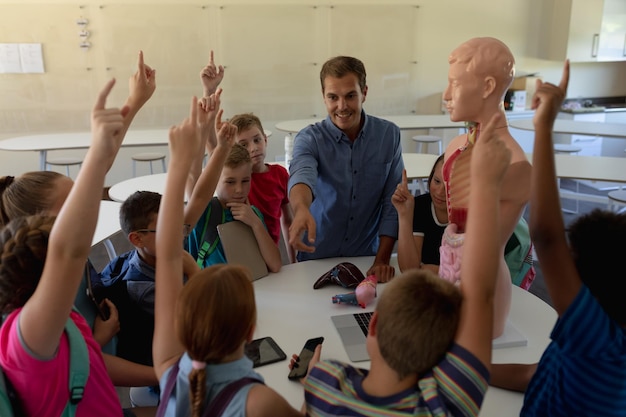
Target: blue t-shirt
583	370
217	378
352	183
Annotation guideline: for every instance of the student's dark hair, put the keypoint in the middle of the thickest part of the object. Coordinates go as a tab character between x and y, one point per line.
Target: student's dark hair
215	313
138	210
598	247
26	195
23	248
418	315
432	171
340	66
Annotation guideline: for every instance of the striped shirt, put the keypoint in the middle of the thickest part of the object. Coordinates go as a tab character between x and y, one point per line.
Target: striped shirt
455	387
583	370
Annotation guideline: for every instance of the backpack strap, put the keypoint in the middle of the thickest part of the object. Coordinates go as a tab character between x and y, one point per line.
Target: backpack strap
167	390
224	397
209	238
79	367
77	378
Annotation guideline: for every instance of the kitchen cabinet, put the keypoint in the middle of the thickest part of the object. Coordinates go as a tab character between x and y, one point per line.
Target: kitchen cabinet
583	30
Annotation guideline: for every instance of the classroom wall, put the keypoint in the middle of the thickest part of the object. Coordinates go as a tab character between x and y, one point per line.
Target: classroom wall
272	51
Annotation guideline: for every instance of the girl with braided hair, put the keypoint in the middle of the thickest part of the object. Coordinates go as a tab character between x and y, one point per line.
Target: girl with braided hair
41	265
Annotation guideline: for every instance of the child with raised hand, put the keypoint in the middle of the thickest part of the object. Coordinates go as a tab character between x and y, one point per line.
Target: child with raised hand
268	188
45	192
228	175
429	343
42	265
212	316
583	370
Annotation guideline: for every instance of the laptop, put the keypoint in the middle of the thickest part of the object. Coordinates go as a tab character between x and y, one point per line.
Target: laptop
352	329
241	248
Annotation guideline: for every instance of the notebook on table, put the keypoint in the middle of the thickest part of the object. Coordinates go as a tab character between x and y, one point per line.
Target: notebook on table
241	248
352	329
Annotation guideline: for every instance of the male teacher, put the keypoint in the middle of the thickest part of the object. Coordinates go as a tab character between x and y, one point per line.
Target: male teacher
342	176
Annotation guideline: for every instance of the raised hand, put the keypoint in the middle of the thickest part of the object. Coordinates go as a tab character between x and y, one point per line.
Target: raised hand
141	84
211	76
226	132
402	199
184	140
207	115
548	98
107	126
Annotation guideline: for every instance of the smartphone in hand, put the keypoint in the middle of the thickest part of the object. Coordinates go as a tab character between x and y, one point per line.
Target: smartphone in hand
304	358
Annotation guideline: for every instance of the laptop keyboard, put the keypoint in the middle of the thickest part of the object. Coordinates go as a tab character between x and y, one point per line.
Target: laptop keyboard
363	319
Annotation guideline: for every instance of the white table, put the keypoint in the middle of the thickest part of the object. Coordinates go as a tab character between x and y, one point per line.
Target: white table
417	166
404	122
78	140
612	130
108	224
122	190
43	143
291	311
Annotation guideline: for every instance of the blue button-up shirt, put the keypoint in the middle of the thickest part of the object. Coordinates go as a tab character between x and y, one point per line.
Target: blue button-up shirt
352	184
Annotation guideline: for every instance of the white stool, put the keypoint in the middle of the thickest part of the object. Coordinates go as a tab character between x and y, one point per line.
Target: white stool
143	397
148	157
565	148
424	140
66	162
617	199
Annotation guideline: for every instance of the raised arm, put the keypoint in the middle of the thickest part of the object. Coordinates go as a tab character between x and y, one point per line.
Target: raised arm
205	187
141	86
183	142
409	254
546	223
207	118
44	315
481	252
211	76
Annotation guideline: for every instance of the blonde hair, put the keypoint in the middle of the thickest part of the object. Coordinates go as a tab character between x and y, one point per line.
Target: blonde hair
26	195
238	156
418	315
246	121
215	312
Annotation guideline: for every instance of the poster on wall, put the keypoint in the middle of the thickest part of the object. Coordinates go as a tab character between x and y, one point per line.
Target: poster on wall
21	58
31	58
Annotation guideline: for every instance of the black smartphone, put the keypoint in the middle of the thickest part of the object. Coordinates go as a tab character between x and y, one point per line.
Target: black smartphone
304	358
101	307
264	351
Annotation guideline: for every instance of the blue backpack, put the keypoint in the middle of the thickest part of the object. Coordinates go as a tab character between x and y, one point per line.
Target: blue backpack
79	372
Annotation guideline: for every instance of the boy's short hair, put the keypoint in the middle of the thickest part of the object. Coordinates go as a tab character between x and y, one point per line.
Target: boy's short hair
418	316
238	156
598	247
138	210
246	121
340	66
